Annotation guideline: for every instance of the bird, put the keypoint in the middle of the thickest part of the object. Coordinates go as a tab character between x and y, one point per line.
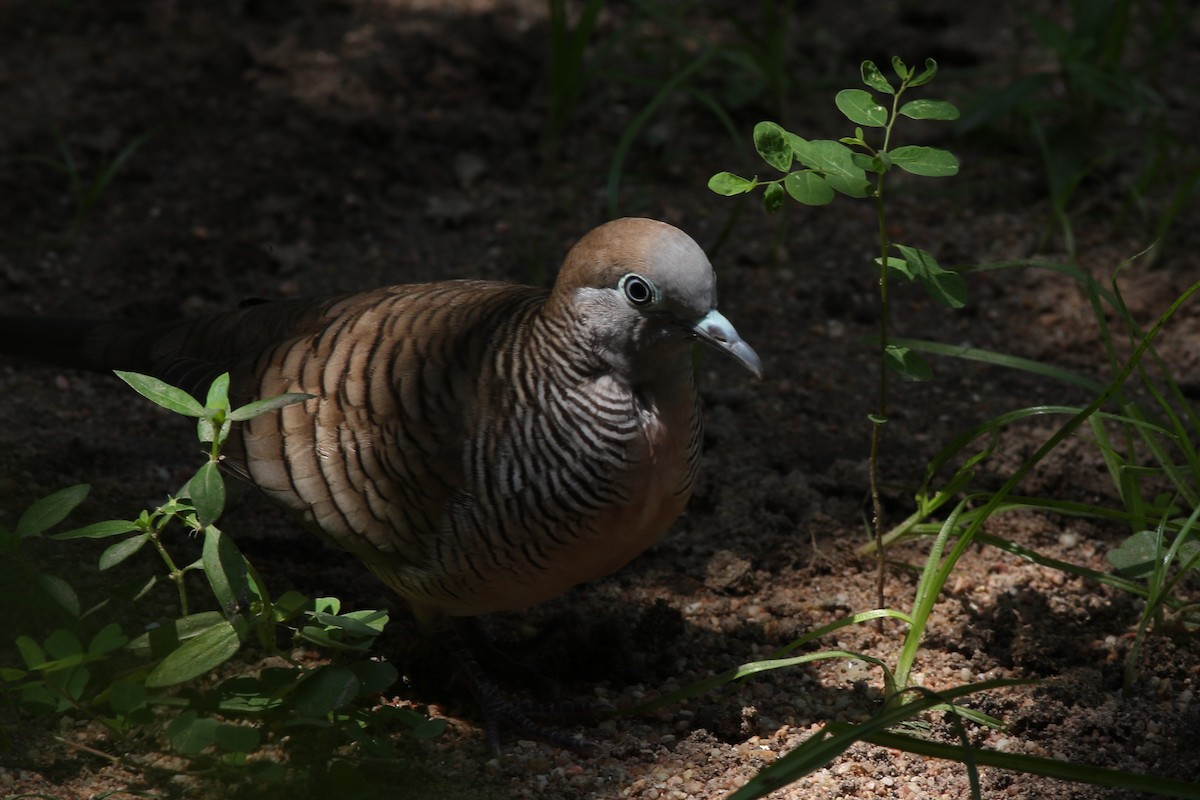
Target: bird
480	446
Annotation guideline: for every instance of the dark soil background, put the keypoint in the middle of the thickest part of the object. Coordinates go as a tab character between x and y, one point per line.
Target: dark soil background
305	148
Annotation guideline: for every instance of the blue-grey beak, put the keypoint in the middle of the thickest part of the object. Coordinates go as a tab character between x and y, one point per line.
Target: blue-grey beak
719	332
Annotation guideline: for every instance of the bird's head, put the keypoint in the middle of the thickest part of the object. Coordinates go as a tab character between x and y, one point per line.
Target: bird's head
636	284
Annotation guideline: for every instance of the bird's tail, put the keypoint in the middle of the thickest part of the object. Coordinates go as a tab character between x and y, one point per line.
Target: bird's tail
156	348
94	345
187	353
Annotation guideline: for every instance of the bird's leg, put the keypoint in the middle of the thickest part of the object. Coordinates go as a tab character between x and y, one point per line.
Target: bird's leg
498	708
500	665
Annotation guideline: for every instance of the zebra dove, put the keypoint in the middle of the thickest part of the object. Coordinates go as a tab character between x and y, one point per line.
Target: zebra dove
480	446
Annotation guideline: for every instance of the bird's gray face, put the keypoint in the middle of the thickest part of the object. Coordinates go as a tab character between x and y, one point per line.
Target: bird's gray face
659	313
667	295
640	288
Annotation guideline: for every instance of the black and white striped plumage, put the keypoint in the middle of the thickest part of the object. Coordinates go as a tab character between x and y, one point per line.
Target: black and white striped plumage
480	446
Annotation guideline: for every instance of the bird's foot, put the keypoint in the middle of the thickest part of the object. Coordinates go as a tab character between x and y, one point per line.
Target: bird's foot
500	709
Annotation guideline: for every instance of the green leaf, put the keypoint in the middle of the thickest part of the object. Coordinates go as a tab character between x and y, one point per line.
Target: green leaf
50	510
38	699
163	394
329	605
860	108
225	568
279	681
8	540
288	605
218	393
135	588
62	644
429	729
197	656
190	734
321	638
773	198
75	683
60	592
246	694
1188	551
809	188
116	553
99	530
835	162
366	623
878	163
726	184
31	652
929	109
374	676
917	262
207	429
238	738
260	407
858	138
107	639
325	690
207	490
267	772
127	696
926	75
931	162
163	639
1139	554
872	77
906	363
1115	783
945	286
86	200
771	142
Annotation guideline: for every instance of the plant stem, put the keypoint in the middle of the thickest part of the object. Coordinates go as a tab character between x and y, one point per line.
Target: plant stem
880	416
175	573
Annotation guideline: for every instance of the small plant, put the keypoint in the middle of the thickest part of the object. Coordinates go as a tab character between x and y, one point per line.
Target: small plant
816	171
33	594
126	680
1165	558
1094	111
1153	461
567	67
85	190
1166	554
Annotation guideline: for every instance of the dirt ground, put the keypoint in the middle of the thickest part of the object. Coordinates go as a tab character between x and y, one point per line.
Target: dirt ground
305	148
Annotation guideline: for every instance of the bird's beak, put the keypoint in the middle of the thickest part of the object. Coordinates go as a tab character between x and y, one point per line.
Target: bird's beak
719	332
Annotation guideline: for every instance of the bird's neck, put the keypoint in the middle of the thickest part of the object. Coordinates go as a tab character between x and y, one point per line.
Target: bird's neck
569	343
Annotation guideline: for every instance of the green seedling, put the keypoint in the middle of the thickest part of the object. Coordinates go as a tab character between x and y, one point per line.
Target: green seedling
86	189
816	171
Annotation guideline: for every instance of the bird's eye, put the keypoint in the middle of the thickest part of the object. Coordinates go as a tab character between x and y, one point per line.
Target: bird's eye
638	290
